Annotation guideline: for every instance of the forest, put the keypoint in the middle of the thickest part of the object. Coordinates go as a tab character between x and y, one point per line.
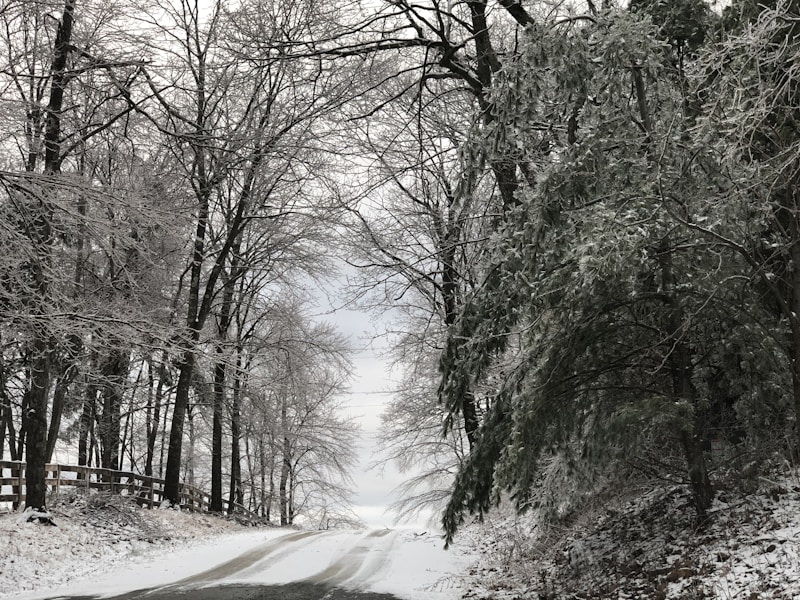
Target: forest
582	217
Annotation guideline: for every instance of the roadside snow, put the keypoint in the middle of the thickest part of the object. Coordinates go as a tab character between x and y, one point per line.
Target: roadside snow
423	568
93	535
647	545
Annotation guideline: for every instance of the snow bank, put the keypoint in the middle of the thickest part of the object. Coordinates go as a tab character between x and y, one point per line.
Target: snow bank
93	534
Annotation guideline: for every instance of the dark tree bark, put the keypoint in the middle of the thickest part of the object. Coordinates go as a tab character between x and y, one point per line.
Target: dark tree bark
36	427
114	372
286	464
680	362
680	353
794	321
7	430
154	417
59	395
215	504
86	424
283	485
235	491
220	376
42	236
172	474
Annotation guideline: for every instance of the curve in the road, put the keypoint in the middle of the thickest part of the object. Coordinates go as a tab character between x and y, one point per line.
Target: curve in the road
248	559
359	563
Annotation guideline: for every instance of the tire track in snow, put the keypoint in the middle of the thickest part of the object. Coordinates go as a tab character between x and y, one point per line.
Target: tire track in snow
249	558
360	563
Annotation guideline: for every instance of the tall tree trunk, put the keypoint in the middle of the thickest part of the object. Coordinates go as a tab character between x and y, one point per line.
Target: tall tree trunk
127	430
42	235
86	423
115	372
23	428
794	320
251	472
155	416
3	425
235	490
59	394
163	445
172	475
271	498
7	431
286	462
216	433
680	361
220	372
290	504
36	426
283	491
262	468
192	439
450	277
55	416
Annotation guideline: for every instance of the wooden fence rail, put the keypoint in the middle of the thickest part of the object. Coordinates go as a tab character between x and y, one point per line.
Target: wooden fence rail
147	491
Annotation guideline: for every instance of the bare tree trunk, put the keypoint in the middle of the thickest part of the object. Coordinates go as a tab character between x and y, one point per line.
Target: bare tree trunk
3	425
172	475
290	507
23	428
235	490
155	418
127	430
216	433
85	423
220	373
794	320
62	386
283	491
271	499
6	417
262	464
286	463
115	372
162	447
251	473
192	440
680	360
36	427
42	235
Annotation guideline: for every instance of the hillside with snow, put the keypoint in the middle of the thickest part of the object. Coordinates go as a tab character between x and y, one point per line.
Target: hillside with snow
645	543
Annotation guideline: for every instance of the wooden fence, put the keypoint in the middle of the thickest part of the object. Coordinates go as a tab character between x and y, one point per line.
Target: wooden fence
147	491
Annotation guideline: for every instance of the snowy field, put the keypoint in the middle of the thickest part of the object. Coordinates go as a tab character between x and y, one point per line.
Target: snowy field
103	545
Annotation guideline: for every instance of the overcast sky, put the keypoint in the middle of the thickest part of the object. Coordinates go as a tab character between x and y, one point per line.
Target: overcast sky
370	392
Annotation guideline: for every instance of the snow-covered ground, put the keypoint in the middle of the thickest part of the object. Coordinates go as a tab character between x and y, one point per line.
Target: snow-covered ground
644	542
637	543
105	545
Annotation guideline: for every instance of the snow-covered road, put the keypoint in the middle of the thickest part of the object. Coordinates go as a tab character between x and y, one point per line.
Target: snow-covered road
399	562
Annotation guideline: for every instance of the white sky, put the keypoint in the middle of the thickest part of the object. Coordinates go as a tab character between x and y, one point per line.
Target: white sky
369	394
